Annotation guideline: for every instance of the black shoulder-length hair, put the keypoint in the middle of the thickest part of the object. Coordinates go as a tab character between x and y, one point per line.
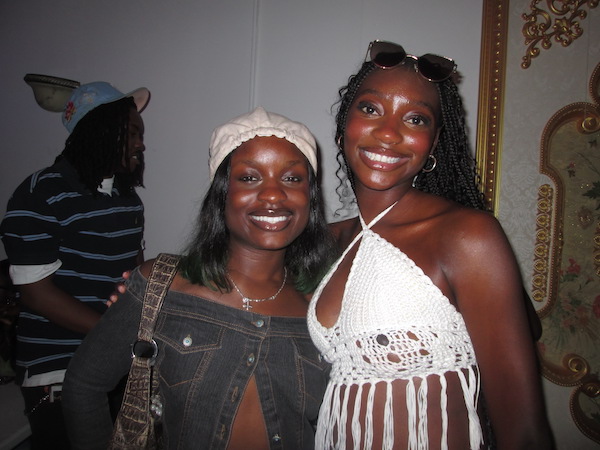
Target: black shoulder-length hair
455	175
205	261
97	144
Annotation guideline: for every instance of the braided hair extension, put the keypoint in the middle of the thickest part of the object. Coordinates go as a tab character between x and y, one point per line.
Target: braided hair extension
96	146
454	177
347	94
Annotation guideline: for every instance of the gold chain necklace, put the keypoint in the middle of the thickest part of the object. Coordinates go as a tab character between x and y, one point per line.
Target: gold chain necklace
246	301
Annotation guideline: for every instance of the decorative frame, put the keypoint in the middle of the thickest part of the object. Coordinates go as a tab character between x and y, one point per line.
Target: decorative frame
571	314
540	29
491	97
492	71
574	370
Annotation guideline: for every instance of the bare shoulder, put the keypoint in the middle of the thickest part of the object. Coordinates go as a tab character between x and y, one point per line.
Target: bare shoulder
471	244
462	236
467	224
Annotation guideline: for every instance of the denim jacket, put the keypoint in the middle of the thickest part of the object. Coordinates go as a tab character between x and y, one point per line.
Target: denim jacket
207	354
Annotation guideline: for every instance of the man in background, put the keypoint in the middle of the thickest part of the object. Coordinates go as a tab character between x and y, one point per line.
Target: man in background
69	232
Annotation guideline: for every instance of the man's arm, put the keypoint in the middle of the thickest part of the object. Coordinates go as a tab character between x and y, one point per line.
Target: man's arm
46	299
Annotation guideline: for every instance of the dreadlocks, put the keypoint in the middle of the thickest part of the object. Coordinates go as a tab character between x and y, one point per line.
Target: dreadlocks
455	176
96	146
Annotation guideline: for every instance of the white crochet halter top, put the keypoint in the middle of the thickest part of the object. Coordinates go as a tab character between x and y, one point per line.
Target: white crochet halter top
390	306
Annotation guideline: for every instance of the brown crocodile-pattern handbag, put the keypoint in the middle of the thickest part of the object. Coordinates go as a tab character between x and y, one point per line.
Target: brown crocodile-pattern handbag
137	424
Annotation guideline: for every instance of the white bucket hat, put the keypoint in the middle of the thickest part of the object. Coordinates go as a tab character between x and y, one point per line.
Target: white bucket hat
229	136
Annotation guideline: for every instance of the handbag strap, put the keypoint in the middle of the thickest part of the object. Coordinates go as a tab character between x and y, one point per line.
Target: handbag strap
134	428
161	276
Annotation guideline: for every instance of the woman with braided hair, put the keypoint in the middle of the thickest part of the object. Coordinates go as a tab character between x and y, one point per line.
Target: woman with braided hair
422	316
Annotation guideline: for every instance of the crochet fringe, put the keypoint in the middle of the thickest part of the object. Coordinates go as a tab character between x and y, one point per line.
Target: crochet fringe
332	431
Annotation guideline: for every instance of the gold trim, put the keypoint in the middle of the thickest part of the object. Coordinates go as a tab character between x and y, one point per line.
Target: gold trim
588	388
574	370
491	97
583	113
539	29
543	243
597	250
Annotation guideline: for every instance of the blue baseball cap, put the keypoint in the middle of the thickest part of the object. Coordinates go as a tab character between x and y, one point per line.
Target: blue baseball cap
88	96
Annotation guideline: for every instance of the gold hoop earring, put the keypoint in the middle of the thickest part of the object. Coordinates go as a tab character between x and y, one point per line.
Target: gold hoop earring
432	166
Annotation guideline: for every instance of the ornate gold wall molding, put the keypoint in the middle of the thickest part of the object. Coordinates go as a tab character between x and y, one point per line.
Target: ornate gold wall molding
597	250
540	29
588	388
491	97
571	314
575	364
543	241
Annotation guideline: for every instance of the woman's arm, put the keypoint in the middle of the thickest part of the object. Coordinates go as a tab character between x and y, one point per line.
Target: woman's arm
99	364
488	289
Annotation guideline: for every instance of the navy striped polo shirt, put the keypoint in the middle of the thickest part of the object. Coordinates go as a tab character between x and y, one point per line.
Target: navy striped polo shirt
53	216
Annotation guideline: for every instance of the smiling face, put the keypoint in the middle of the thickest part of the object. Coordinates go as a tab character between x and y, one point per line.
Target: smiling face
268	197
391	128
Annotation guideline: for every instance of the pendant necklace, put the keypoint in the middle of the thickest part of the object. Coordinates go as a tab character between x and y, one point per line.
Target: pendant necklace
246	301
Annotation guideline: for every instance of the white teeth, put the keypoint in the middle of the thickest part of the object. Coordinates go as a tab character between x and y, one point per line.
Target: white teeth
381	158
270	219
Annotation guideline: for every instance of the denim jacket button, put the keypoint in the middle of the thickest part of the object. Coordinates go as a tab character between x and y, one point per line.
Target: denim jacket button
276	438
251	359
259	323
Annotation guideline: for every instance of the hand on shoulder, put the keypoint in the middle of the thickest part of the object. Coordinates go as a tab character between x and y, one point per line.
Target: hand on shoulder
120	288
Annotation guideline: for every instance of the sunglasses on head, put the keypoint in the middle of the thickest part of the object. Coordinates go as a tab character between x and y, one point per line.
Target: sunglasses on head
431	67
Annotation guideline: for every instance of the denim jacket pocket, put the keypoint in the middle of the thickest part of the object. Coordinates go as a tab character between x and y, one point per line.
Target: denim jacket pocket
186	346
